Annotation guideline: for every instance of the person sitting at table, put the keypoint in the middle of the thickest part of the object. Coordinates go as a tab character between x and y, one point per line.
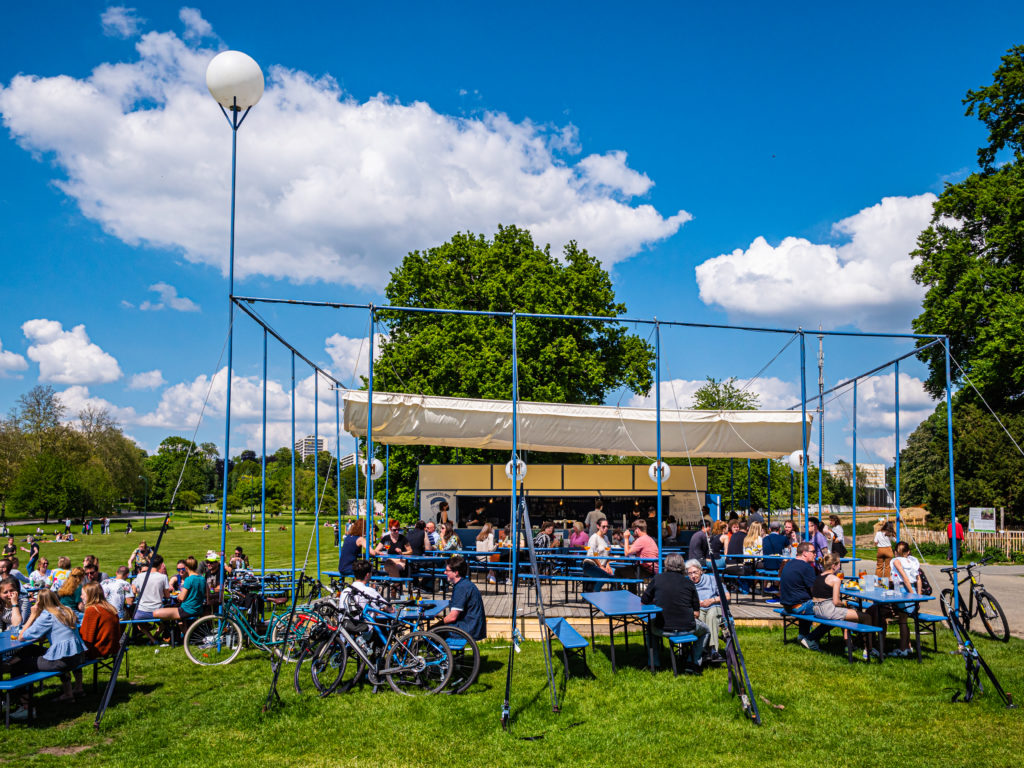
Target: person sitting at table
394	543
70	592
818	538
432	535
796	585
641	546
545	538
179	575
677	597
595	566
700	543
448	540
191	596
42	576
150	592
139	557
719	540
239	561
52	621
10	603
578	538
118	591
466	608
93	574
485	543
352	547
420	544
13	569
61	572
101	628
906	578
773	544
710	605
828	604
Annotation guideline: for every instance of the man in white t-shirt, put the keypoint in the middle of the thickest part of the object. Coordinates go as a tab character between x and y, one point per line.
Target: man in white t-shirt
118	590
156	589
596	565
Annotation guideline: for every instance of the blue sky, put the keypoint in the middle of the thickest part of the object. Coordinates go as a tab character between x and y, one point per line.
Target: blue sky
749	164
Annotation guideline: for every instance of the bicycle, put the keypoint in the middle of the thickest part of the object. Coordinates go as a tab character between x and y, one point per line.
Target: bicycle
218	638
980	603
413	663
973	661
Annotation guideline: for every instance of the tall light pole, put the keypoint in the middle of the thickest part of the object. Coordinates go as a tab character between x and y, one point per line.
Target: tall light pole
235	81
145	503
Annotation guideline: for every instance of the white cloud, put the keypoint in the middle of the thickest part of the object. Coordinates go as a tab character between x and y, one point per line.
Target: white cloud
122	22
876	403
196	27
68	357
147	380
774	393
351	355
10	362
330	188
169	298
865	281
77	398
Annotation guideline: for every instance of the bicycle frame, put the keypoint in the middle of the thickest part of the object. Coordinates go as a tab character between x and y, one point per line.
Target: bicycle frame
973	662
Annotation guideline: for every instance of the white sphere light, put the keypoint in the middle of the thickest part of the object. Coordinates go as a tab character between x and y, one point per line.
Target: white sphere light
652	471
234	80
520	470
376	468
796	461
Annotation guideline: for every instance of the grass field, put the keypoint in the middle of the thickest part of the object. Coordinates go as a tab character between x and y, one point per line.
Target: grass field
832	713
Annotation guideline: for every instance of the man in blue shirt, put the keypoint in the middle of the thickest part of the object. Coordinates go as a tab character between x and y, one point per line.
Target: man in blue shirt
795	584
466	608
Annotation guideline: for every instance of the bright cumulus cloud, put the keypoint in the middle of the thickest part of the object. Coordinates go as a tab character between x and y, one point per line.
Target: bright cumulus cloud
351	356
10	362
865	281
169	299
773	393
68	357
330	188
147	380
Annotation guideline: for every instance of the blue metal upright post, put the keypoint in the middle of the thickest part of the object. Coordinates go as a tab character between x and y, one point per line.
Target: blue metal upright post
899	509
803	421
293	468
657	429
821	453
952	484
749	497
853	533
515	454
769	465
366	528
387	481
369	428
316	466
732	487
337	462
263	473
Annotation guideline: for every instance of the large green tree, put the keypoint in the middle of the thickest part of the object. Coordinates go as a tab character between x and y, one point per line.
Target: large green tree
560	361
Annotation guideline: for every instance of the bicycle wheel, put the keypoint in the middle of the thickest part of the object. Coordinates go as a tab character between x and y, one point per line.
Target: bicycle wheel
302	679
465	657
992	616
418	664
330	666
213	640
286	642
946	598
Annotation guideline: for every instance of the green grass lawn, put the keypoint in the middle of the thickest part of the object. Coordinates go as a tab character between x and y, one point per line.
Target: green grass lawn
834	713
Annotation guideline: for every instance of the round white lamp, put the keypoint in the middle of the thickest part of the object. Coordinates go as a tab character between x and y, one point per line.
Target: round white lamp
796	461
235	80
665	469
520	470
376	468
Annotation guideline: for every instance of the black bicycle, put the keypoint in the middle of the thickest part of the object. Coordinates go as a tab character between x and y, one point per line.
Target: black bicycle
980	602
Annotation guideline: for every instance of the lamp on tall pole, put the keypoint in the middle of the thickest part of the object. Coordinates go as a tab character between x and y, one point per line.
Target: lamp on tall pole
145	503
235	81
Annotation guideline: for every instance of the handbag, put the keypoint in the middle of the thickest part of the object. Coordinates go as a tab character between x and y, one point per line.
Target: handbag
926	587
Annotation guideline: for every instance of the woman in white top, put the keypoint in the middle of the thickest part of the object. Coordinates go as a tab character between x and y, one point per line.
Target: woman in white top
883	540
485	543
596	565
906	577
835	531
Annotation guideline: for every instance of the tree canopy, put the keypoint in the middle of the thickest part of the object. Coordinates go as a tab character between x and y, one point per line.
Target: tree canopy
718	395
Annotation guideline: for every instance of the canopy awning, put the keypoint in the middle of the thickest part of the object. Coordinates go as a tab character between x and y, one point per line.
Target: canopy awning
401	419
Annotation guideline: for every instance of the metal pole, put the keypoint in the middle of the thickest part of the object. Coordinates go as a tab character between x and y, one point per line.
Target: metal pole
803	421
337	462
748	487
821	419
263	473
387	481
792	493
366	529
899	509
853	533
231	335
657	429
293	469
952	485
316	466
369	427
768	463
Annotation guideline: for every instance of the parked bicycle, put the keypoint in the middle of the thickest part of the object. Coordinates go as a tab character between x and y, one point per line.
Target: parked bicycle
980	602
973	662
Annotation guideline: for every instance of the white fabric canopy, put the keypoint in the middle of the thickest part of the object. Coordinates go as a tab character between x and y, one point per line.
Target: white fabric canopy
400	419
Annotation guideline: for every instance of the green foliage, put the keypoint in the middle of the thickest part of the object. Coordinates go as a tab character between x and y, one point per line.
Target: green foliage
719	395
471	356
1000	107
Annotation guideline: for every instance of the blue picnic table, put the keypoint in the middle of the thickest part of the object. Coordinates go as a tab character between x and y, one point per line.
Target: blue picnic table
622	608
889	597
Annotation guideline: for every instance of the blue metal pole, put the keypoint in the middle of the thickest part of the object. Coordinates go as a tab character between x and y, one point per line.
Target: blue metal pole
952	484
657	428
749	497
803	422
293	468
366	529
768	463
316	466
515	456
231	338
337	462
821	453
263	472
369	427
387	481
732	487
853	533
899	509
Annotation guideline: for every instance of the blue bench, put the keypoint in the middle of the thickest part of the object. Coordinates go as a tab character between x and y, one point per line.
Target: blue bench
851	627
571	640
29	680
676	643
